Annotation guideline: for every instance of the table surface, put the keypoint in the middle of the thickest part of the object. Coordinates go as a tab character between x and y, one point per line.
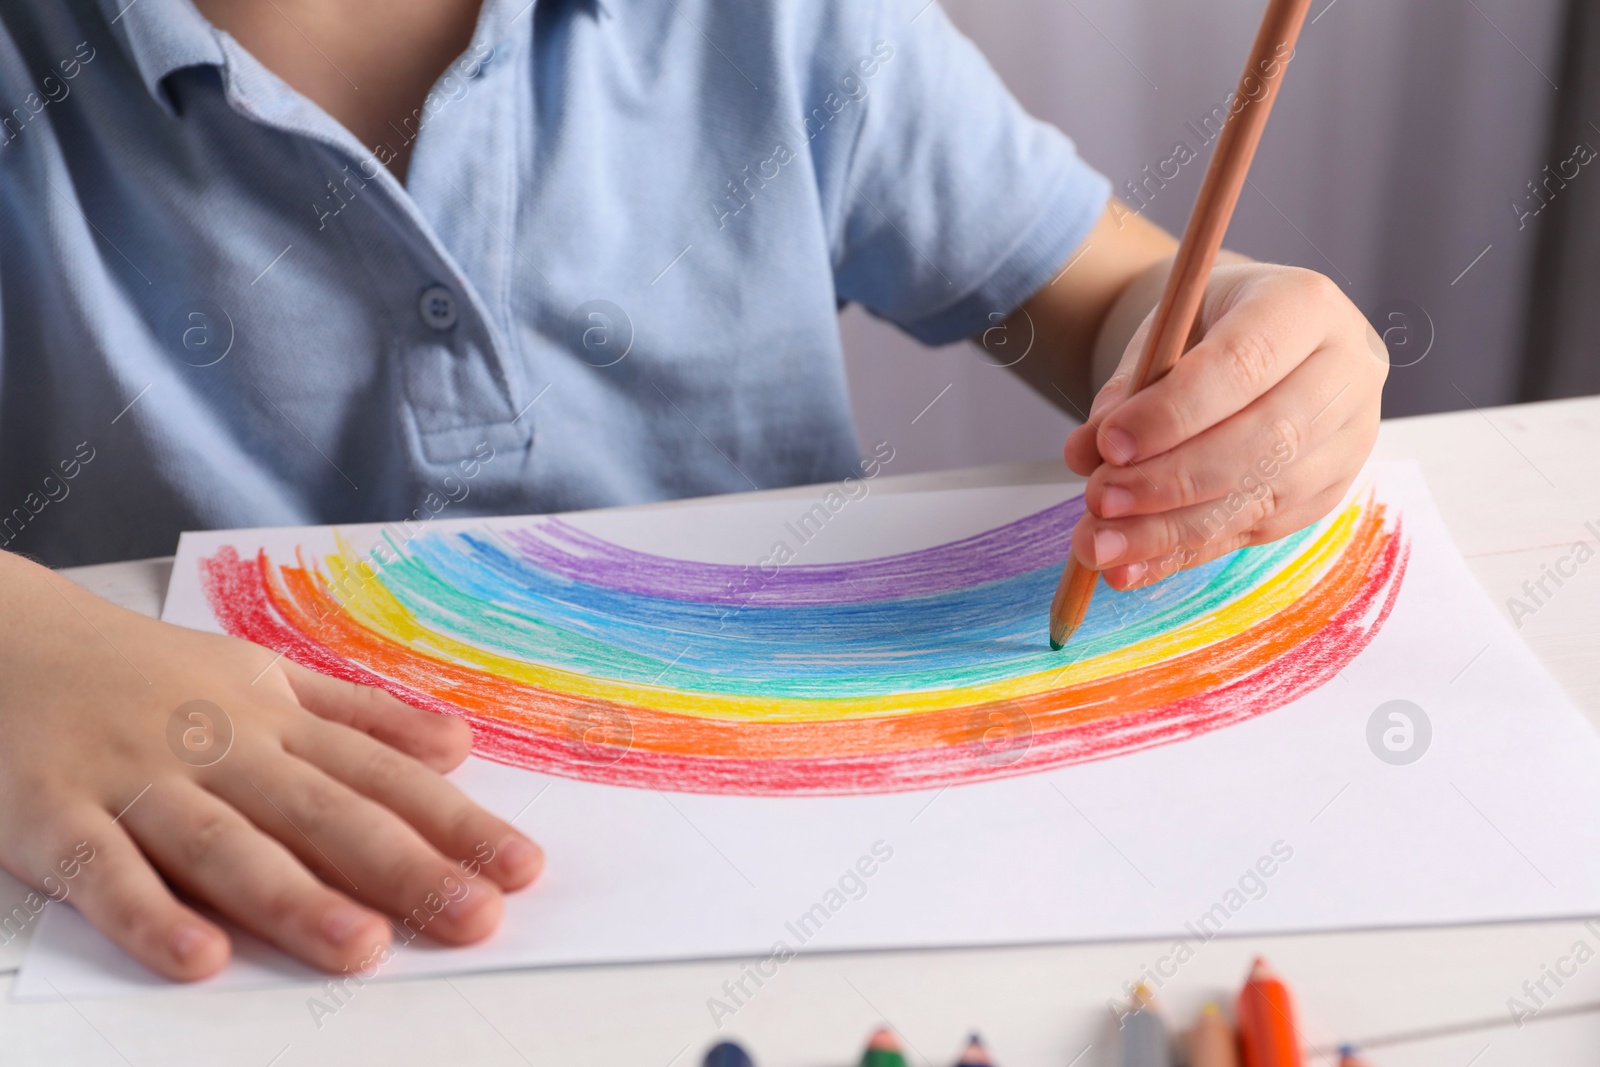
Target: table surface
1427	996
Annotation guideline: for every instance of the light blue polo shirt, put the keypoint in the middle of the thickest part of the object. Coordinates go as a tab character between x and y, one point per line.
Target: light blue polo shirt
612	274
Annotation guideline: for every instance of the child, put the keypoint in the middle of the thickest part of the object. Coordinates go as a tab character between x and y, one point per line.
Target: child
341	260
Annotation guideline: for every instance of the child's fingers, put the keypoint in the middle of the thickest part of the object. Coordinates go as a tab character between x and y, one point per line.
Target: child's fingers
1252	347
1314	507
438	810
1236	455
122	896
207	848
1082	451
359	846
440	741
1182	532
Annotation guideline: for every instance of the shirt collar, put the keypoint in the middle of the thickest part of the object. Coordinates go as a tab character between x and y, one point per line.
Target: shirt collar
500	21
161	37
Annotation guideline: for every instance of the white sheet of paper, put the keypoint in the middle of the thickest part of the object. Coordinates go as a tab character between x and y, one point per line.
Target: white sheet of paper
1495	822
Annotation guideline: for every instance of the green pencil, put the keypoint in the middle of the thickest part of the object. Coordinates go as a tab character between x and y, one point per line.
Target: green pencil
883	1050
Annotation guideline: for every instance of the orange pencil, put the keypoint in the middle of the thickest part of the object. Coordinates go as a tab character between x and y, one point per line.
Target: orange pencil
1211	1042
1268	1036
1202	240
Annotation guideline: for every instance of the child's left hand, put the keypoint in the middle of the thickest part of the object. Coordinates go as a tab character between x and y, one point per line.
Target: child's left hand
1258	431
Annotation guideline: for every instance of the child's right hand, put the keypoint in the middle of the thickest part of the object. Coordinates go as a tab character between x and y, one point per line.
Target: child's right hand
326	813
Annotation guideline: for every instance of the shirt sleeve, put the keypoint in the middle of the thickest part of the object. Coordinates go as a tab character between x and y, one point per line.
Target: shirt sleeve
956	203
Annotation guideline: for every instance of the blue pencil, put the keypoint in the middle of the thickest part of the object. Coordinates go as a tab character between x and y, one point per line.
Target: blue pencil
975	1054
727	1054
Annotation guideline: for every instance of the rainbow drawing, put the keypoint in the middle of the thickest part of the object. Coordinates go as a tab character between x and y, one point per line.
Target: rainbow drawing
573	656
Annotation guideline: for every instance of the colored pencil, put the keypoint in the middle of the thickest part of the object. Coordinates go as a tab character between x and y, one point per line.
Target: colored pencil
1144	1035
1212	1042
1170	333
1268	1036
727	1054
1348	1058
975	1055
883	1050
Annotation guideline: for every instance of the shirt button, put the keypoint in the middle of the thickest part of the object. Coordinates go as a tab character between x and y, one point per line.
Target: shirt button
437	307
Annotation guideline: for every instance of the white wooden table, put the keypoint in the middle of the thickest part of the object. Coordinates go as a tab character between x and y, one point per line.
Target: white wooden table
1515	485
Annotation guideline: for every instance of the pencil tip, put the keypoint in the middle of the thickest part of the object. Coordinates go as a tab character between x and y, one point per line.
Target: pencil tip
975	1055
1061	632
883	1040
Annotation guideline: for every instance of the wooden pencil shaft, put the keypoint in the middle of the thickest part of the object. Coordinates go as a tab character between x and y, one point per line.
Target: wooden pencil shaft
1172	331
1212	1043
1071	599
1170	334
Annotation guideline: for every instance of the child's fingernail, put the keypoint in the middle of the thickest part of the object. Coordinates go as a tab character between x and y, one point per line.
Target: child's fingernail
516	854
1115	501
344	922
188	940
1121	445
1135	572
463	908
1108	545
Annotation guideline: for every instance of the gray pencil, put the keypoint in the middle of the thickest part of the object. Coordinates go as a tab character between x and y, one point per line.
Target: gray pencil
1144	1035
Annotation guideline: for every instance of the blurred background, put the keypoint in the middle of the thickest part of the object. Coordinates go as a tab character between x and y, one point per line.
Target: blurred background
1406	160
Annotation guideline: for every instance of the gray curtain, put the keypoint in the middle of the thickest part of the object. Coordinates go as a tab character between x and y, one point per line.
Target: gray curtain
1564	301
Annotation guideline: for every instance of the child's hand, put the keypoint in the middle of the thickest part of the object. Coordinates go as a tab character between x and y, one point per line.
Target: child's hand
1257	432
325	813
